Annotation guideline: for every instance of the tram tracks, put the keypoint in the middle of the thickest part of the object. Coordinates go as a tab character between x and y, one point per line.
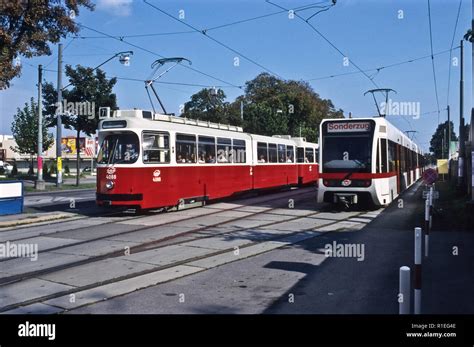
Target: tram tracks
121	221
159	243
141	247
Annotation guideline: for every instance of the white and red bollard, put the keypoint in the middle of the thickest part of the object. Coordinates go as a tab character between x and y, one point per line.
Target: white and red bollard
417	273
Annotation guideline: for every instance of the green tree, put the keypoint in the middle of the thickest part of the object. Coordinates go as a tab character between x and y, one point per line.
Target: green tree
293	104
209	105
80	109
28	26
271	106
25	131
439	139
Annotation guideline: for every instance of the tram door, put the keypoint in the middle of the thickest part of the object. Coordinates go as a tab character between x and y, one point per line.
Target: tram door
399	169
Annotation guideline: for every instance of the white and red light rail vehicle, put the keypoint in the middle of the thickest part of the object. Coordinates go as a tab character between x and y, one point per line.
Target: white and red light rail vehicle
149	160
365	160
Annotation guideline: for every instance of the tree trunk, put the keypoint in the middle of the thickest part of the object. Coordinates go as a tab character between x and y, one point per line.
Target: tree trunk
78	158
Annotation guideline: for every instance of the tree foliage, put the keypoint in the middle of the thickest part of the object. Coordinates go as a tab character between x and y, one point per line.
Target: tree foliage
25	130
271	106
208	105
28	26
439	138
90	90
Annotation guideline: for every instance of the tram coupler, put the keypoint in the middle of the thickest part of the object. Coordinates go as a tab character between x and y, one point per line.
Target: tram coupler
345	199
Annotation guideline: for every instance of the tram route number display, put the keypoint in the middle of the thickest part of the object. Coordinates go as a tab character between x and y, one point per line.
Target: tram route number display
341	127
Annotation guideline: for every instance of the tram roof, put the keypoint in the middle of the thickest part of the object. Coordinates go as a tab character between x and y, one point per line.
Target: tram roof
142	119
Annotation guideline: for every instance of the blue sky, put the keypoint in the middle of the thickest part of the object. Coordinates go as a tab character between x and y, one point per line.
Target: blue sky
369	32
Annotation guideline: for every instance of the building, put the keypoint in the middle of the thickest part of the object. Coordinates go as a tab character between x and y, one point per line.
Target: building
87	145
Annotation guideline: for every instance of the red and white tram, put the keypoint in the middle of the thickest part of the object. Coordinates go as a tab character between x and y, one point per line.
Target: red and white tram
151	160
365	160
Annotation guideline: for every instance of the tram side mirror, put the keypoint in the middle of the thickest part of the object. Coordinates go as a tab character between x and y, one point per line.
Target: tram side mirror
104	112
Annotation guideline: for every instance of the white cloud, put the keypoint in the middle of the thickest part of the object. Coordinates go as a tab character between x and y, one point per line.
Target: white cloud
116	7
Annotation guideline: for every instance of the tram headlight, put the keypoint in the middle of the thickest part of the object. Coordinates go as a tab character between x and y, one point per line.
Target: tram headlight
109	184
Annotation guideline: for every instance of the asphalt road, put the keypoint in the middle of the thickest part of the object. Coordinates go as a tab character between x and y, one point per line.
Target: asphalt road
186	261
298	278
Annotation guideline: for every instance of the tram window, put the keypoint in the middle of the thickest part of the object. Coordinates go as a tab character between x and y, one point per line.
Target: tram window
392	156
410	160
281	153
300	155
185	149
317	155
156	147
262	152
383	149
402	159
309	155
272	153
207	150
347	153
224	149
290	154
119	149
238	153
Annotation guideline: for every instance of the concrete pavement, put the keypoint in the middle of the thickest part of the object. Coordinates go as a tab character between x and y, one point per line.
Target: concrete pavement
300	278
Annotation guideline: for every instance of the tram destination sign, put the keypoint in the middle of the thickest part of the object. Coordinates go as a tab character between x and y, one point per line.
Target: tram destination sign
346	127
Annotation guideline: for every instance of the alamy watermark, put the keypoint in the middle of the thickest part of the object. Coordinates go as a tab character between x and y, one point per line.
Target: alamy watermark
78	108
401	108
28	329
345	250
19	250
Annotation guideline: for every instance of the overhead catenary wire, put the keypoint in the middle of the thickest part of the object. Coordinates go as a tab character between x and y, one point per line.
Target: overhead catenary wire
432	58
214	39
161	56
300	8
371	79
380	68
328	41
159	82
451	55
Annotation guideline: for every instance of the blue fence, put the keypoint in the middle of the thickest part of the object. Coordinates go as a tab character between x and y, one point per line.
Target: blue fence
11	197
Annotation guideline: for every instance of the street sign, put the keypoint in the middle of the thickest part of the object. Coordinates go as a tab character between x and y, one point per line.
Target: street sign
435	194
442	165
430	176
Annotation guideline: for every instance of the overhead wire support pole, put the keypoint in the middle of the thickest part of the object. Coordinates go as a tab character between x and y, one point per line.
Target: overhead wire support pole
59	112
39	183
461	122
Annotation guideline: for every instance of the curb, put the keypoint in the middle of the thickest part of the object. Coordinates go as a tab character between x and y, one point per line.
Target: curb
35	219
46	192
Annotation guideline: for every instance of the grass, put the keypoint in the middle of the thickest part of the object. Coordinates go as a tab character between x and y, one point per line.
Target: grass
454	213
